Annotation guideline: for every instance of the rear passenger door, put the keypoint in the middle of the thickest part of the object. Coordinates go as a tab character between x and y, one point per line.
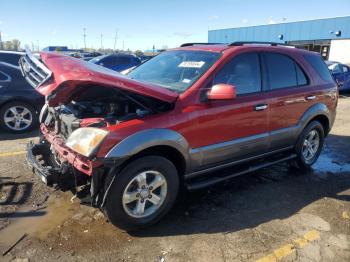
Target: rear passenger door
289	97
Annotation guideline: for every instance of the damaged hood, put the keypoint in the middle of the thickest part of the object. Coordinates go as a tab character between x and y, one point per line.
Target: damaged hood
59	77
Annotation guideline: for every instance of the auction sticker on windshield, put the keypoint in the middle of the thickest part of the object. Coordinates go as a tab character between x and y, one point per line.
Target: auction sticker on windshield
192	64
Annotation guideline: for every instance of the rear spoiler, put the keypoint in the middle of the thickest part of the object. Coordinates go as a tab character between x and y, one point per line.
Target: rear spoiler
33	70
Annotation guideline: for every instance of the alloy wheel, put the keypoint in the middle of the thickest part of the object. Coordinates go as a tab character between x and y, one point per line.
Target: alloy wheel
311	145
18	118
144	194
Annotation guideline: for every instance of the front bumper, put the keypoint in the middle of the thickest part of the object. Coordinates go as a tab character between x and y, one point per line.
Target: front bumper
47	174
79	162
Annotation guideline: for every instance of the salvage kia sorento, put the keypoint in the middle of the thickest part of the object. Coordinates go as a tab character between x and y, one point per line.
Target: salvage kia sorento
176	121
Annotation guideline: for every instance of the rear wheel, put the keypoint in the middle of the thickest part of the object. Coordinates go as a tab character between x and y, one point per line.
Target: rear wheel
142	193
309	145
17	117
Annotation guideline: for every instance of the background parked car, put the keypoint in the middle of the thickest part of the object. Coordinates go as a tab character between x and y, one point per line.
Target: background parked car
10	57
117	62
19	101
340	73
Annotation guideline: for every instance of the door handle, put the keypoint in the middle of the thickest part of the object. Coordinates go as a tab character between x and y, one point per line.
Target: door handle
310	97
261	107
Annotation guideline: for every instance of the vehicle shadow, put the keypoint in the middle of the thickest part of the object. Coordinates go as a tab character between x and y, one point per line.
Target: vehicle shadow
9	136
14	193
251	200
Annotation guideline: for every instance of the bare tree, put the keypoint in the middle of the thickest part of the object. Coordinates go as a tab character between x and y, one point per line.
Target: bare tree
8	45
16	44
13	45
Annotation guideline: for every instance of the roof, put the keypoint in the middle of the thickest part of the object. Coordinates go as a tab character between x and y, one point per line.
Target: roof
223	47
11	52
212	48
318	29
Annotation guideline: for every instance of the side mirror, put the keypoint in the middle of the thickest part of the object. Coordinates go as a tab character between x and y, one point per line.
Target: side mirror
222	92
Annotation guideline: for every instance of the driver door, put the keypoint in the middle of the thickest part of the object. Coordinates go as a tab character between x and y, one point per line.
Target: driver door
234	129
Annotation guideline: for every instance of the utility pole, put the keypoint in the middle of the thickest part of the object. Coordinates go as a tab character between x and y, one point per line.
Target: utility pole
123	45
101	41
115	39
37	41
1	45
84	35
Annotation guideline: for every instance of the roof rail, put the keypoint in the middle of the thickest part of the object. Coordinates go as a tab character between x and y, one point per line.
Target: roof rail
192	44
240	43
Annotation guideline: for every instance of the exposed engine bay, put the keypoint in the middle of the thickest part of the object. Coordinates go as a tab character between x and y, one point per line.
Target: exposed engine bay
95	106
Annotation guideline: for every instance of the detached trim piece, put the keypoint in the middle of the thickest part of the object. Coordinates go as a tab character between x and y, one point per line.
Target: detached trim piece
34	71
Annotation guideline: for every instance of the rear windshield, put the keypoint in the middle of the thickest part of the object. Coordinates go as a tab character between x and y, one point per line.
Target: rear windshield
320	67
175	70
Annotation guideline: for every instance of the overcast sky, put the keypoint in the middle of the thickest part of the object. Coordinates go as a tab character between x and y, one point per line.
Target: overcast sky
142	24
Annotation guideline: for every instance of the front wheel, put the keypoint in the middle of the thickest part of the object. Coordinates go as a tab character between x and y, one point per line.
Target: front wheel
309	145
142	193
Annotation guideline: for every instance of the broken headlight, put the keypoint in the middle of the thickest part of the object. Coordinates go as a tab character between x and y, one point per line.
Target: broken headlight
86	140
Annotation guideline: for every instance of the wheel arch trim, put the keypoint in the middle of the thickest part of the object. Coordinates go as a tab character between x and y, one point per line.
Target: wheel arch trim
316	110
145	139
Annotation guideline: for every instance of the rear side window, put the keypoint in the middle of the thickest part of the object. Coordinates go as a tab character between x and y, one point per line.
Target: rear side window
280	71
319	66
10	58
243	71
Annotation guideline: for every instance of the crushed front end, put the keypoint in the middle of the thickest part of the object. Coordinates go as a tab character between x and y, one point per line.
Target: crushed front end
83	104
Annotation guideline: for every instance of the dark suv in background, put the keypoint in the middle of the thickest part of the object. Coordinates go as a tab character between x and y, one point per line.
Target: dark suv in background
19	101
116	62
177	121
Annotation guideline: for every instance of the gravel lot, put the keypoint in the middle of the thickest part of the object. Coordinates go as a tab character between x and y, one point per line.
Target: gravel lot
275	214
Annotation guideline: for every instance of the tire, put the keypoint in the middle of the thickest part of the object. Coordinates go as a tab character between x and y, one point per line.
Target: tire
22	112
305	159
128	182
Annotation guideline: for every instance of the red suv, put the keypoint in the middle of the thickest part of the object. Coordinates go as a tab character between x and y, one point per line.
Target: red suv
177	120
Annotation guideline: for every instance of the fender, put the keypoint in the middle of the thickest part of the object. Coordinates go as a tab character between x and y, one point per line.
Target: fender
147	139
313	111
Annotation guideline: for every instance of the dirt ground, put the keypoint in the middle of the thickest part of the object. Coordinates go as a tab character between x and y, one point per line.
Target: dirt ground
275	214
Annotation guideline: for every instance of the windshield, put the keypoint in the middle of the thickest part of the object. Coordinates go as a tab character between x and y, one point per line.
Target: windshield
175	70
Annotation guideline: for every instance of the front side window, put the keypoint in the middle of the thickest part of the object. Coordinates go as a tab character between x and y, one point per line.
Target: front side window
280	71
175	70
243	71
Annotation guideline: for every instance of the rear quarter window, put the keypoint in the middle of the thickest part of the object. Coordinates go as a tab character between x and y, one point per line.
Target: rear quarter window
319	66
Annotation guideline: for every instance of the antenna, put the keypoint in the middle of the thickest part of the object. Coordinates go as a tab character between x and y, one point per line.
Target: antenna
101	41
1	45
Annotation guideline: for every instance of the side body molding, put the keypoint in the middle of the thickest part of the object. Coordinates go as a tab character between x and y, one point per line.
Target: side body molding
150	138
